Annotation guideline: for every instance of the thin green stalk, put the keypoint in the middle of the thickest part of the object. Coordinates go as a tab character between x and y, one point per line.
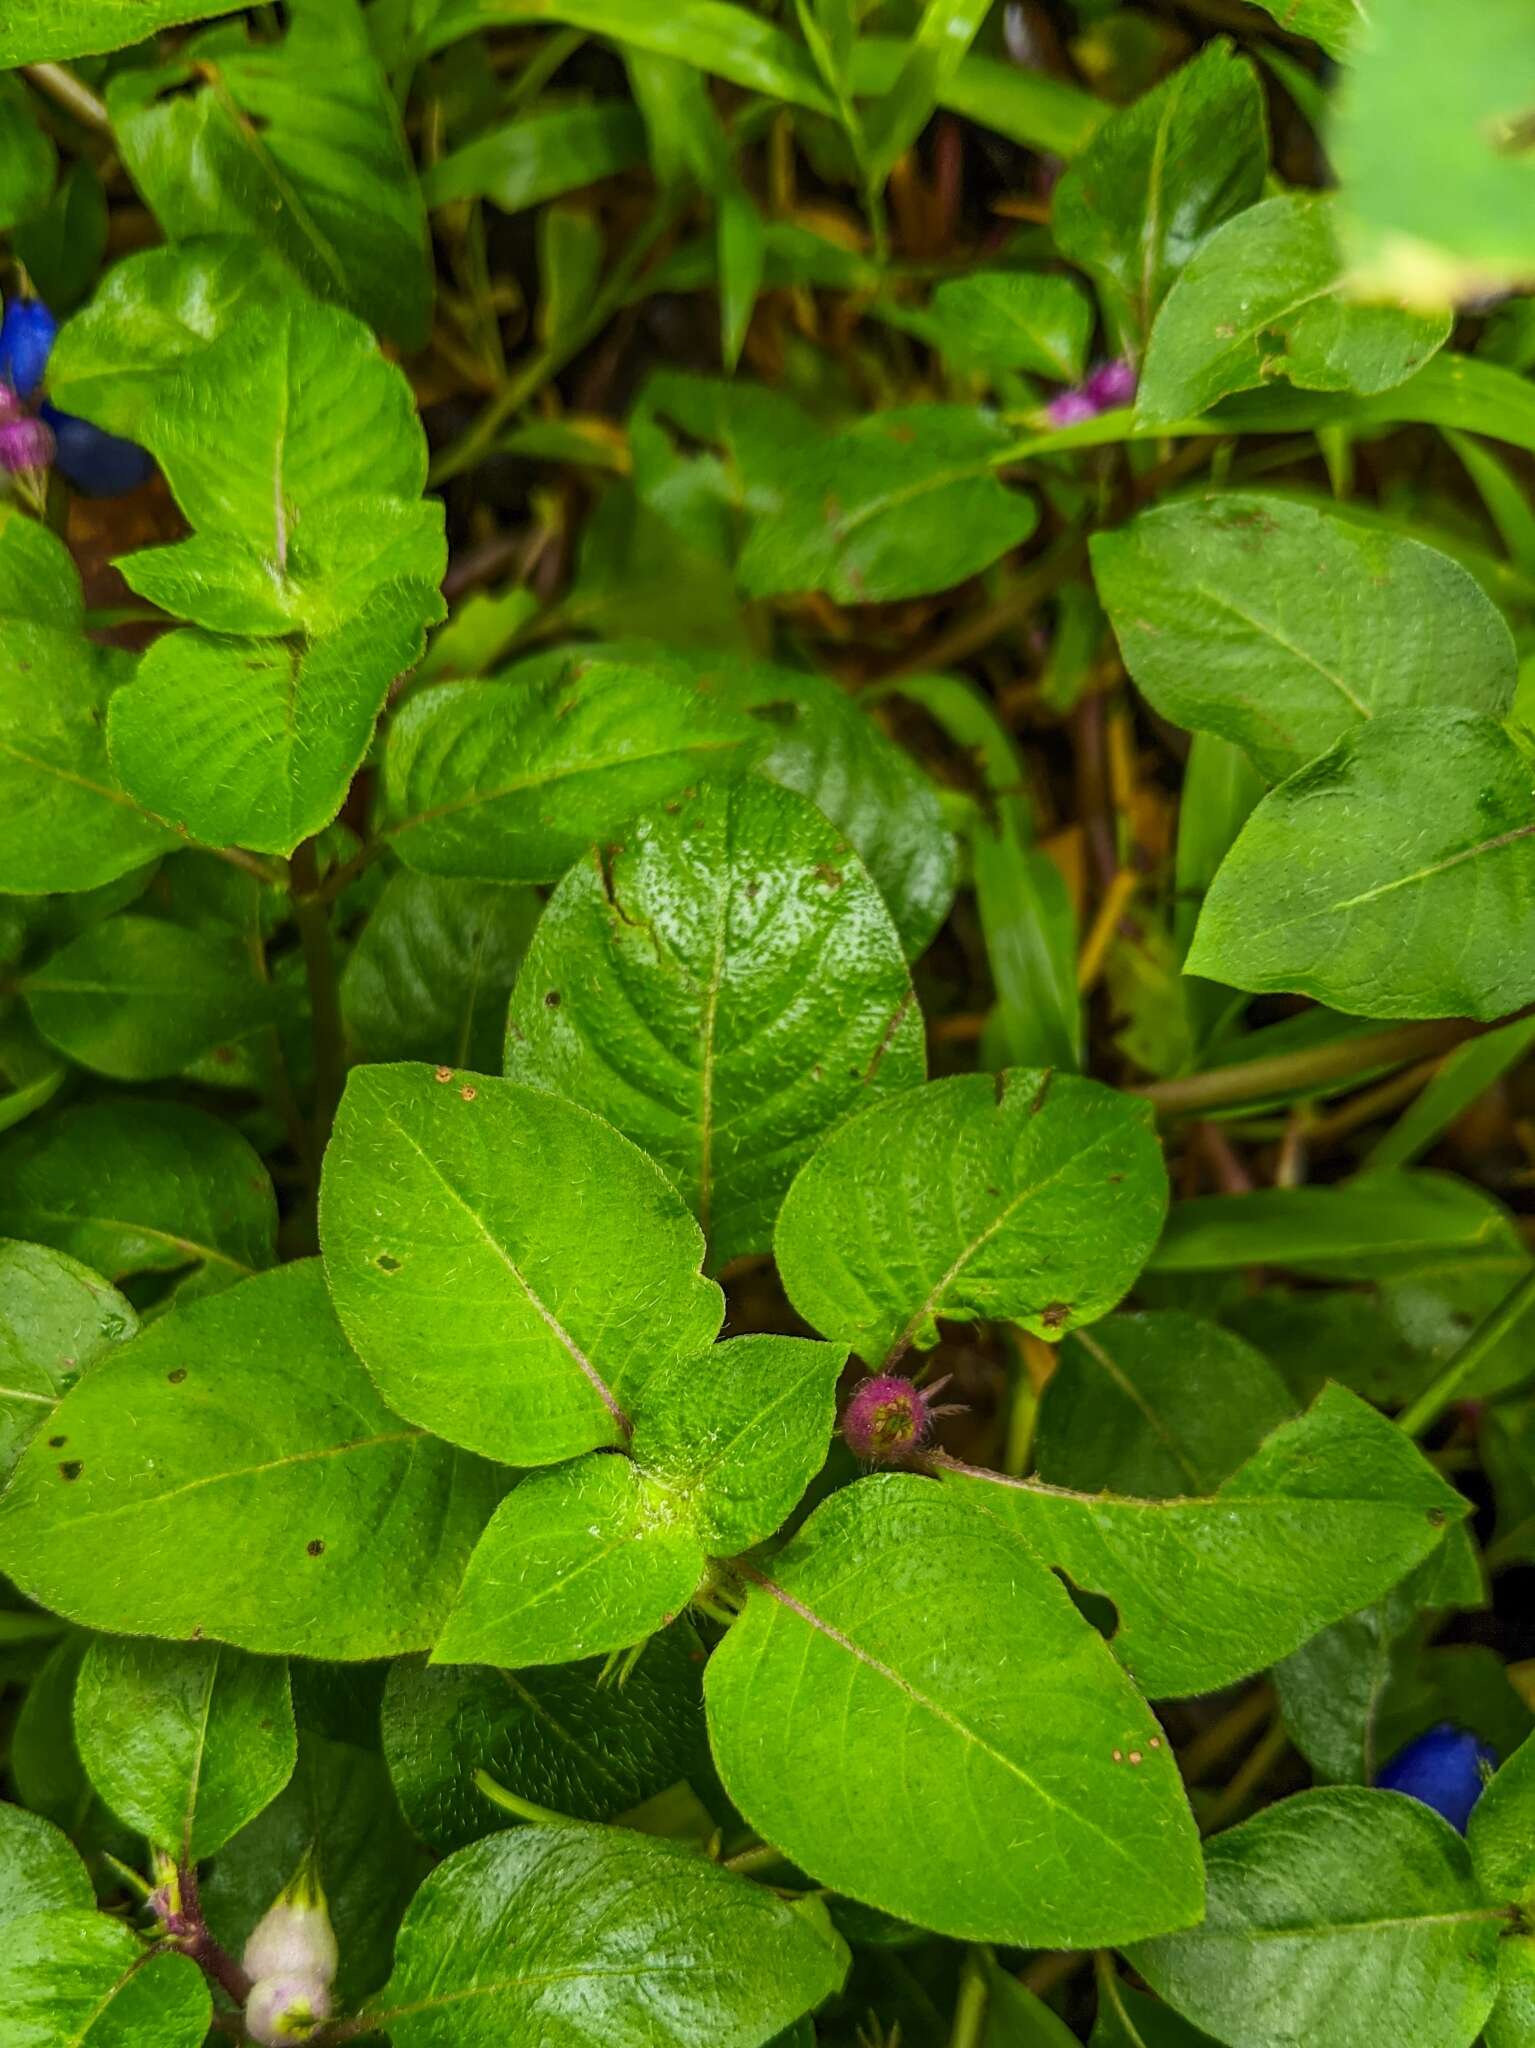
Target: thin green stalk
1434	1399
1285	1073
71	93
970	2007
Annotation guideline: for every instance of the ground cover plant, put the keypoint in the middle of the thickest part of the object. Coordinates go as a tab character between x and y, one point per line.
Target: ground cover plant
767	947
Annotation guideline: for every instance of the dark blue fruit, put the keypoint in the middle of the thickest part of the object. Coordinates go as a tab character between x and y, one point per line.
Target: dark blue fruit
100	464
26	341
1443	1768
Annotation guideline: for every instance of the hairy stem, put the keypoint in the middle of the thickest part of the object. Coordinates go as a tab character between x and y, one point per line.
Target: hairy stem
196	1941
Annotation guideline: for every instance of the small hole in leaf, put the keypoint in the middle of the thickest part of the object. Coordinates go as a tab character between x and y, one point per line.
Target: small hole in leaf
386	1263
552	1000
315	1547
1095	1608
71	1468
57	1443
177	1375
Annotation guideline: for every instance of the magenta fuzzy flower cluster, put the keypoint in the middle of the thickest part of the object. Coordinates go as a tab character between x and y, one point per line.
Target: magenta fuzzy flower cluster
889	1416
1111	384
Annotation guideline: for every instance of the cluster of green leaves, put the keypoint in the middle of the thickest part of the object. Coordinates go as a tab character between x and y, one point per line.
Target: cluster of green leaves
418	1396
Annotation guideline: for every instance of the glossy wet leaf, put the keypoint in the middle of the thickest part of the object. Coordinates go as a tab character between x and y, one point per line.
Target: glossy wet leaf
511	781
556	1735
1378	909
139	1187
298	143
186	1742
80	1978
57	1318
1157	178
723	987
1264	299
322	1524
1341	1917
1032	1198
1155	1405
566	1934
511	1270
432	974
903	503
1285	629
139	998
40	1868
1331	1510
965	1779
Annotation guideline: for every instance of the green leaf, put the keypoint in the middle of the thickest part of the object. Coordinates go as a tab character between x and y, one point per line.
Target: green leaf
40	1869
1263	298
1337	1918
589	1557
723	987
45	1766
138	998
1511	2023
512	780
338	1803
943	35
1335	24
511	1270
600	1553
1041	112
1449	218
903	503
1285	629
1462	1078
1158	178
1501	1832
1412	911
28	159
241	1432
89	1982
1129	2019
1015	2018
585	1935
1031	1198
558	1737
1014	320
1329	1513
913	1711
57	1318
37	29
141	1187
1155	1405
296	143
186	1742
540	155
432	974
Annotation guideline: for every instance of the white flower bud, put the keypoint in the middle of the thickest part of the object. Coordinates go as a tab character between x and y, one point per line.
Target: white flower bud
295	1937
286	2008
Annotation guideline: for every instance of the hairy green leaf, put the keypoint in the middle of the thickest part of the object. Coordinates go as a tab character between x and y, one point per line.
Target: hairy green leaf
57	1318
40	1868
80	1979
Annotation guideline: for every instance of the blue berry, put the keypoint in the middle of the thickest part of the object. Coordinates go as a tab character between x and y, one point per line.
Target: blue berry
100	464
26	341
1442	1768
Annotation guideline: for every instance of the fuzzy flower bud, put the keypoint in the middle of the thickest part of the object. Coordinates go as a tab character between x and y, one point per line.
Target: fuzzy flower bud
295	1938
286	2008
1070	408
887	1417
26	446
1111	384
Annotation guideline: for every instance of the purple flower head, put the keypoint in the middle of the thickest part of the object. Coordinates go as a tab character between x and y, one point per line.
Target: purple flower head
26	445
1070	408
1111	384
889	1416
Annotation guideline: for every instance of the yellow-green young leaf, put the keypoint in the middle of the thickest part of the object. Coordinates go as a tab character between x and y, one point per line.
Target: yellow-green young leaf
36	29
1335	24
511	780
1028	1196
539	154
1285	628
1449	218
1264	298
912	1709
1337	890
140	999
40	1868
186	1742
80	1978
240	1431
1502	1830
432	974
903	503
1332	1510
589	1557
141	1187
297	143
555	1736
57	1318
944	33
1155	1405
724	987
511	1270
1156	179
587	1935
1342	1918
1013	320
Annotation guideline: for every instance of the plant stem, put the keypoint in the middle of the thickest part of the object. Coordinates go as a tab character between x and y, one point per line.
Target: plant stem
1249	1775
1434	1399
69	92
543	1816
313	920
970	2007
760	1856
1282	1073
214	1960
